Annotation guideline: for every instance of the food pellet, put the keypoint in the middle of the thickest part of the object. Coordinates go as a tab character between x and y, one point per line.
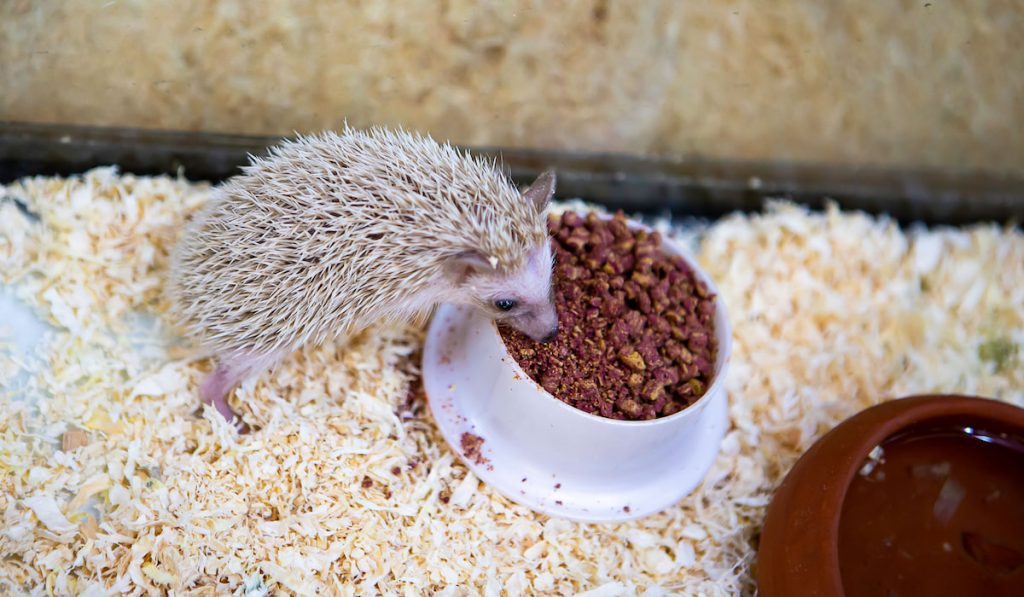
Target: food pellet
471	446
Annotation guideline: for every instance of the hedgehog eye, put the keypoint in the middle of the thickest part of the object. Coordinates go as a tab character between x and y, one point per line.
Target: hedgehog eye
505	304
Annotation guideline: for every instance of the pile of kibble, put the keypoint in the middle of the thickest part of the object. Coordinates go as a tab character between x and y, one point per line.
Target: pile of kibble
636	327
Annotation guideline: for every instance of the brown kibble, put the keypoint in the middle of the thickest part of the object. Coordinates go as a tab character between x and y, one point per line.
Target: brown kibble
637	338
576	243
642	279
666	375
471	445
704	366
629	406
644	303
633	360
568	272
698	340
634	322
367	482
696	388
671	408
652	390
396	470
74	438
676	351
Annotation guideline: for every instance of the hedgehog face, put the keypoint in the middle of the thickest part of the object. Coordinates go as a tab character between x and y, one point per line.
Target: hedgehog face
522	298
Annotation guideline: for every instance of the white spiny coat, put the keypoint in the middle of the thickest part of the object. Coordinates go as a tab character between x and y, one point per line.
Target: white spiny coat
329	233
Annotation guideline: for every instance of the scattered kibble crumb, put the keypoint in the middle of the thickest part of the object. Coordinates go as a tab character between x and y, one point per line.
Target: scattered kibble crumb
471	446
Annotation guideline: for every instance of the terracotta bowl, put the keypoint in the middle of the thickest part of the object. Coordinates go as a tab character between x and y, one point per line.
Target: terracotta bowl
918	496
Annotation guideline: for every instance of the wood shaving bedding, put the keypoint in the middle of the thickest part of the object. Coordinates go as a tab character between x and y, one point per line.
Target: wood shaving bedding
832	312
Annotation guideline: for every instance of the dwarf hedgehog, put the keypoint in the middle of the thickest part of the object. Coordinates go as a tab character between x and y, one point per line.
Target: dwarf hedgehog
331	233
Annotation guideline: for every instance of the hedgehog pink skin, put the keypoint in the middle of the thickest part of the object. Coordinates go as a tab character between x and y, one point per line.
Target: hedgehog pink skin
331	233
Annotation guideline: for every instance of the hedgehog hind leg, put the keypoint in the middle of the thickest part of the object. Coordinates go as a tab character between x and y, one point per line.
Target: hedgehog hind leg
229	372
216	388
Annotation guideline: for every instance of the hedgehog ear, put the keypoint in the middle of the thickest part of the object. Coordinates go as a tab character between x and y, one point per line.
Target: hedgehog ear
461	265
541	191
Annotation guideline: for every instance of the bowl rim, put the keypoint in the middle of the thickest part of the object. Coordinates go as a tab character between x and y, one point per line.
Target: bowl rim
799	544
723	334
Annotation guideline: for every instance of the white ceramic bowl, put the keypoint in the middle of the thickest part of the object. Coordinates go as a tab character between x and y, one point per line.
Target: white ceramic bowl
551	457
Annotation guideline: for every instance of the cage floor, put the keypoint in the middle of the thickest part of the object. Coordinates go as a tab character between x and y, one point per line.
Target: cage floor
113	479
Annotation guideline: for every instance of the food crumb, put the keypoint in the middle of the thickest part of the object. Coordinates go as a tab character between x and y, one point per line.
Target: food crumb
558	485
558	502
445	496
367	483
625	509
471	445
396	470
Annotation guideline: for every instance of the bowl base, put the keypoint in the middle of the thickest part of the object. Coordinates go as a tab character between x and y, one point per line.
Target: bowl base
453	393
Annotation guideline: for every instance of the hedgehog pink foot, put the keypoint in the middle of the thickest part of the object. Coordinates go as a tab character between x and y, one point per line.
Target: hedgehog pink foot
215	390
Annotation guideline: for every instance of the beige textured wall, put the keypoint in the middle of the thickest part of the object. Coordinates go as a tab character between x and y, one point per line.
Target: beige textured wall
936	83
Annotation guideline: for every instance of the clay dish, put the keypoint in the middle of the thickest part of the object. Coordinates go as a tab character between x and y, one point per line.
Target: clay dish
917	496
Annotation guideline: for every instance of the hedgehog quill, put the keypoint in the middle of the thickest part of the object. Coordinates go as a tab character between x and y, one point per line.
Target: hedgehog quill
330	233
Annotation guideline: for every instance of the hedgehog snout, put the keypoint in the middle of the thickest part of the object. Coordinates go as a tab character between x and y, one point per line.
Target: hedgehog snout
537	333
551	336
539	322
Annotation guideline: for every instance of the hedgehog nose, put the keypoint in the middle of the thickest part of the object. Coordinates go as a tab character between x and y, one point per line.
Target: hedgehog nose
551	335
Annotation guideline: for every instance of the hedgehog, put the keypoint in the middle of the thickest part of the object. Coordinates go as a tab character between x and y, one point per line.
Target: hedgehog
333	232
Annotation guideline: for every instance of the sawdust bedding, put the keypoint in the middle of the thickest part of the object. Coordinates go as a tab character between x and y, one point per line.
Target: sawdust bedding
347	488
